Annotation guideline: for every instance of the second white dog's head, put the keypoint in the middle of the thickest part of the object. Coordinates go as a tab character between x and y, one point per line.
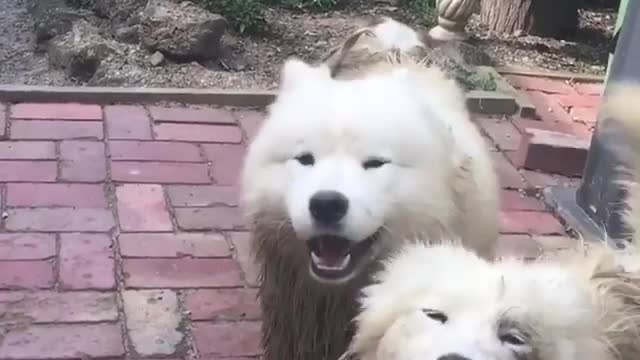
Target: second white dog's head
343	162
445	303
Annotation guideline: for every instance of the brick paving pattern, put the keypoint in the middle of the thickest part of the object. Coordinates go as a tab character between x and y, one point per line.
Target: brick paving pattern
121	235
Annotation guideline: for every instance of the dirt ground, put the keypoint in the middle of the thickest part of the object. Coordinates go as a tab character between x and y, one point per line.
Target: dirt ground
256	60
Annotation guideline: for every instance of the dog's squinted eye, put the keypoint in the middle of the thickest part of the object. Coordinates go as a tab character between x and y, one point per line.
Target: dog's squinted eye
512	339
374	163
306	159
436	315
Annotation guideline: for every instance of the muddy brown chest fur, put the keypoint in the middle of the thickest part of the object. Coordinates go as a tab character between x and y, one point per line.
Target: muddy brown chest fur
302	319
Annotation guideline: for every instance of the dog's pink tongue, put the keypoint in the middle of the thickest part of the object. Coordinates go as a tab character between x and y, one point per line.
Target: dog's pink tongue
331	255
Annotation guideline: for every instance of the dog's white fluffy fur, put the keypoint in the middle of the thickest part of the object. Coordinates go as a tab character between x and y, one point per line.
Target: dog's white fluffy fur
439	178
432	177
443	301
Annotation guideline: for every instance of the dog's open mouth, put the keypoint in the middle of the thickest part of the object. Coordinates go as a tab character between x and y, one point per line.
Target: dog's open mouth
335	257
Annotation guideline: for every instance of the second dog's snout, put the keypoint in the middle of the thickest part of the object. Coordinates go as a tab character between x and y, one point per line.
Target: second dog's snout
328	206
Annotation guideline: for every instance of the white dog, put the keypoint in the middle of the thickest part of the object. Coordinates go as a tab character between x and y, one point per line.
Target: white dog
446	303
341	172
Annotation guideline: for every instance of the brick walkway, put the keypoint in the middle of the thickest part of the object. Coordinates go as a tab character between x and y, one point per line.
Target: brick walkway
121	235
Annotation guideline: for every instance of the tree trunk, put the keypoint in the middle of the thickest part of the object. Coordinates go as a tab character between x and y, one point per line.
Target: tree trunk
545	18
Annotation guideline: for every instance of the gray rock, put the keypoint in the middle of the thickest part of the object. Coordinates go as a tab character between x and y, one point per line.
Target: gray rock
118	11
156	59
128	34
81	51
182	31
458	59
53	17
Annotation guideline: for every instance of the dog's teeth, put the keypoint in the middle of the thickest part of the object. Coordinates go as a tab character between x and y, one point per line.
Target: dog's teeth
321	265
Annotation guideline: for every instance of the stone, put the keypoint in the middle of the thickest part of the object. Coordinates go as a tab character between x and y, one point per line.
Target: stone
118	11
182	30
153	321
53	17
156	59
459	59
128	34
553	152
81	51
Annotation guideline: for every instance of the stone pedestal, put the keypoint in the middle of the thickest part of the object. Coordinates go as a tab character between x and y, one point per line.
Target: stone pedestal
452	18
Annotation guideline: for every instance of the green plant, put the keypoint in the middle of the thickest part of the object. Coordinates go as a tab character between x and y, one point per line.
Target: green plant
244	15
426	9
322	5
481	81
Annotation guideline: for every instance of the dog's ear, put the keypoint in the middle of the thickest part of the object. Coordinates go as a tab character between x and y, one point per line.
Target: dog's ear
296	73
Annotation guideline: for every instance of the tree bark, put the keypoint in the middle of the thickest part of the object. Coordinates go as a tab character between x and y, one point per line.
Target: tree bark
545	18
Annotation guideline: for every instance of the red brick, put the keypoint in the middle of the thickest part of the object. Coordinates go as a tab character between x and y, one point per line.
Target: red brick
27	150
242	246
523	124
529	222
59	219
63	341
222	304
198	133
553	152
83	161
584	115
181	273
127	122
142	208
161	173
86	262
218	218
43	171
227	162
548	108
508	175
50	306
173	245
56	130
25	275
250	122
43	195
573	100
202	195
502	132
228	339
541	180
532	83
154	151
518	246
514	200
66	111
589	88
27	246
191	115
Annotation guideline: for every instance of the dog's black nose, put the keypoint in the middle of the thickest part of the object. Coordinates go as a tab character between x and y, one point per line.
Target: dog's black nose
453	356
328	207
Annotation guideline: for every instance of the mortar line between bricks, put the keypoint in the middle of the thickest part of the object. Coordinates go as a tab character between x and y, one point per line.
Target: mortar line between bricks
188	343
209	162
3	206
236	118
235	256
7	120
147	111
110	193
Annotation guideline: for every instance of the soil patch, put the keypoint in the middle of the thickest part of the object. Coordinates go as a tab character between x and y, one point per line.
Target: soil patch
254	62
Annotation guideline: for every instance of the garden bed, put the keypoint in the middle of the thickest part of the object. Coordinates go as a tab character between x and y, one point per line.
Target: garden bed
254	61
